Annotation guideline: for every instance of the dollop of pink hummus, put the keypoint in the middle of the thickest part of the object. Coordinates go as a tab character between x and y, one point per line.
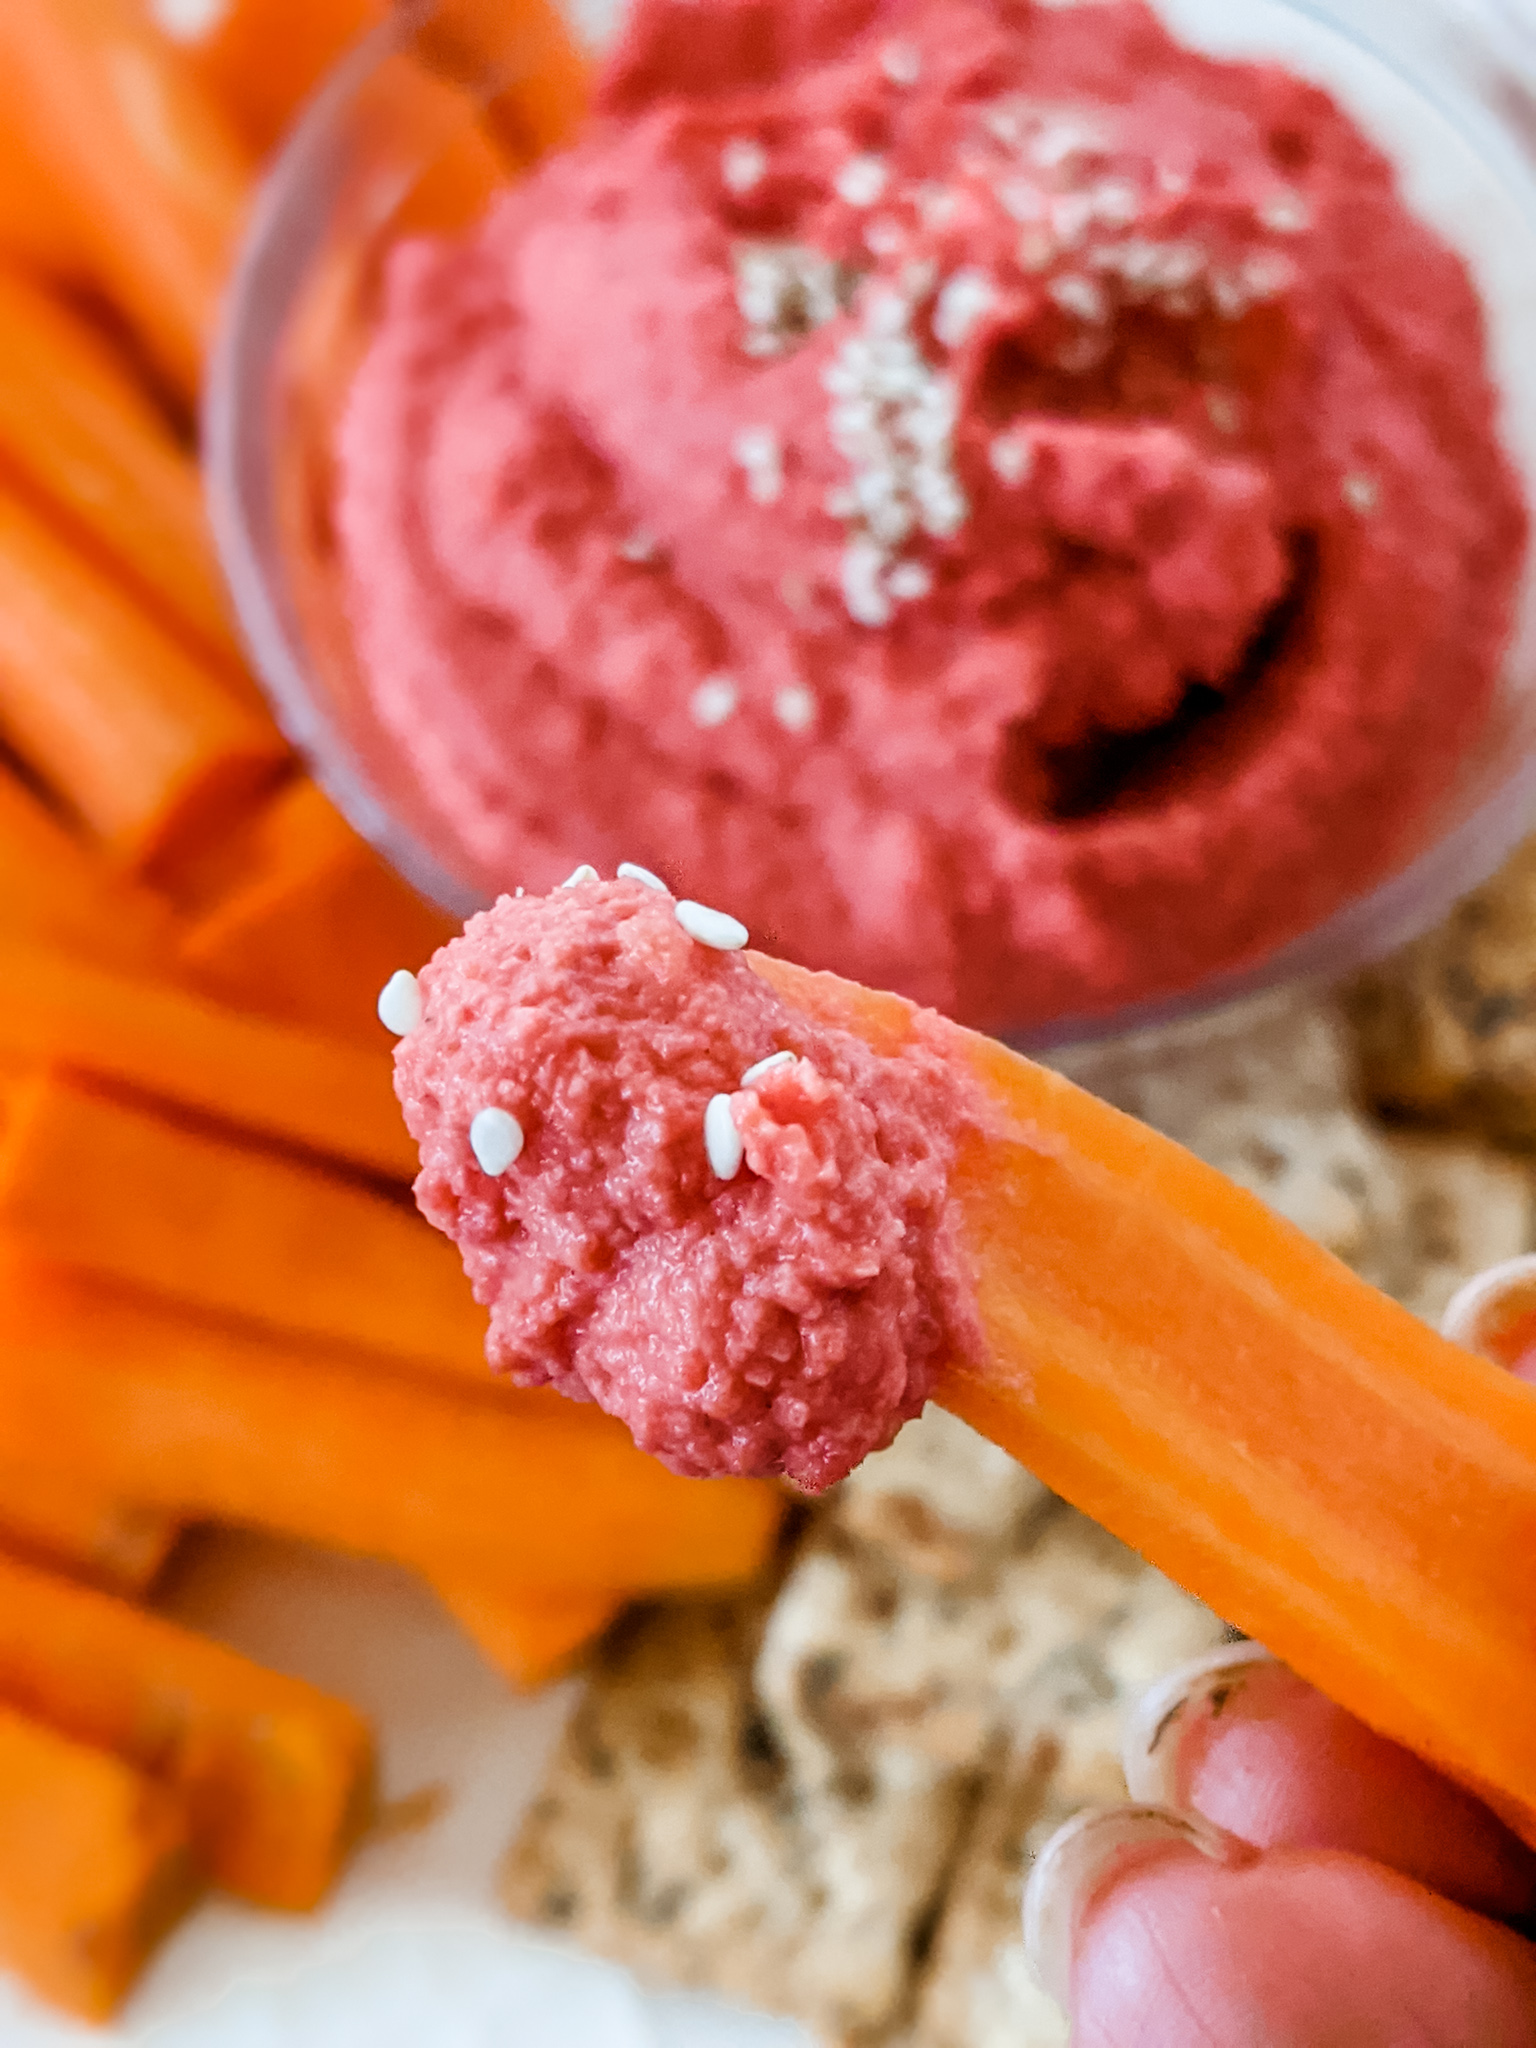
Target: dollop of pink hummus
1014	504
785	1320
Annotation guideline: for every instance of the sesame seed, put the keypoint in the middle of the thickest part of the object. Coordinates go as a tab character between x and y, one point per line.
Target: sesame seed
713	702
1078	295
714	928
400	1003
631	871
585	873
908	581
1286	213
1116	202
519	892
1071	217
743	163
884	237
1022	201
863	593
1267	274
1010	458
758	452
496	1139
795	707
902	63
861	180
768	1066
722	1140
639	546
1361	493
964	299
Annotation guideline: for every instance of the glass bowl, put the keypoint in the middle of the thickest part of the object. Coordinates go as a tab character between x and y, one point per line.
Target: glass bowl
391	144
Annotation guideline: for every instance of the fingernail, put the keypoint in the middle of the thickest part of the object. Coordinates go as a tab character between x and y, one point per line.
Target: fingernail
1089	1853
1149	1748
1495	1314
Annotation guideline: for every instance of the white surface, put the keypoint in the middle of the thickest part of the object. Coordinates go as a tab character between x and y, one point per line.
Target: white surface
413	1952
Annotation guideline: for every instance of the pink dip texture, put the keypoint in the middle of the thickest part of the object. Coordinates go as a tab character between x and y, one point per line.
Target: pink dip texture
786	1320
1012	504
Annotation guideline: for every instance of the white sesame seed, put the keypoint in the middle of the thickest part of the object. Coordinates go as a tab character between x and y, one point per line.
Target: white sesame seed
1071	217
909	581
884	236
1267	274
963	300
1172	180
496	1139
1081	296
631	871
1286	213
1116	202
1361	493
795	707
519	892
1022	201
639	546
743	163
768	1066
585	873
713	702
722	1140
902	63
1060	141
863	592
758	452
714	928
400	1003
1010	458
861	180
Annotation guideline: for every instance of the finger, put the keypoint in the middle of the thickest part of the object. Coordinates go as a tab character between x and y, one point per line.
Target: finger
1157	1930
1495	1313
1239	1738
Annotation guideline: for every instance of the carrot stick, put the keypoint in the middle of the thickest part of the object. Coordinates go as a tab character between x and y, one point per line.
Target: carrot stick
311	924
1301	1453
142	740
57	891
71	1523
275	1776
112	1187
261	59
294	1086
155	180
36	228
529	45
94	1867
78	427
529	1640
212	1420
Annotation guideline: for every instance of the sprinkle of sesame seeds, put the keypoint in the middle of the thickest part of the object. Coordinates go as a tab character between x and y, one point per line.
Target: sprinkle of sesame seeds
743	164
1225	411
496	1139
963	300
585	873
631	871
400	1003
1361	493
1079	295
785	291
1060	141
713	702
759	453
902	63
722	1140
639	546
909	581
795	707
714	928
861	180
1010	458
768	1066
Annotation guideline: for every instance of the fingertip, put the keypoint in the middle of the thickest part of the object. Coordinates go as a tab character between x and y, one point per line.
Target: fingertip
1151	1743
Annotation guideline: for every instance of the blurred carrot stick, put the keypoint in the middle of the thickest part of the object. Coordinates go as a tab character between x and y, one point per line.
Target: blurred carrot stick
530	1639
296	1086
231	1228
94	1867
261	59
154	179
56	890
214	1420
78	427
143	741
71	1523
276	1777
527	44
36	228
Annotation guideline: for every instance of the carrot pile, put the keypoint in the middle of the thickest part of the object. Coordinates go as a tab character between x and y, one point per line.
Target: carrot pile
217	1301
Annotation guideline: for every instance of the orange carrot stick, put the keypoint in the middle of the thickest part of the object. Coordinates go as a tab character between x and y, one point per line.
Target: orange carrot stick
57	891
155	179
294	1086
261	59
310	924
94	1867
1297	1450
78	427
138	736
68	1522
112	1187
529	1640
214	1420
275	1776
36	228
530	46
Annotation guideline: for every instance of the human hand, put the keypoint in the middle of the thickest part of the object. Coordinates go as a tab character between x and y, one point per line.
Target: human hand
1283	1879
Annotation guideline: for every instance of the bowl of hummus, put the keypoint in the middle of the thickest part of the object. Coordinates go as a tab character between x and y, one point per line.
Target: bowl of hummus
1026	504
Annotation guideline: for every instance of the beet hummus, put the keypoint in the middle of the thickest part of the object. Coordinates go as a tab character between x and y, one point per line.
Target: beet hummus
1014	504
678	1195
